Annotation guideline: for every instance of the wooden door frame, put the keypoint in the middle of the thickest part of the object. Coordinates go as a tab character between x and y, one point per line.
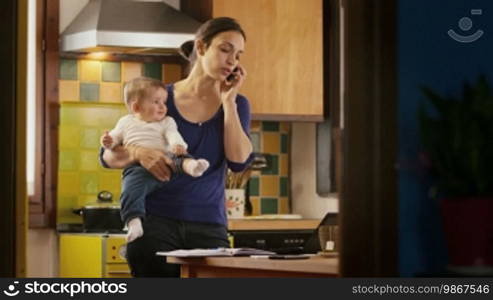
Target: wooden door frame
42	206
368	198
8	73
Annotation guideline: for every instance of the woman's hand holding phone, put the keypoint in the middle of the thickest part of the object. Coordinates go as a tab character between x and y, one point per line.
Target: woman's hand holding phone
231	85
232	75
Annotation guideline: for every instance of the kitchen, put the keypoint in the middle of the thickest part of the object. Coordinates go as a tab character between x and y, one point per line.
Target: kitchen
285	130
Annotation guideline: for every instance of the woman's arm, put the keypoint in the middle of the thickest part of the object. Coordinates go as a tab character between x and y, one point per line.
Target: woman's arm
237	145
155	161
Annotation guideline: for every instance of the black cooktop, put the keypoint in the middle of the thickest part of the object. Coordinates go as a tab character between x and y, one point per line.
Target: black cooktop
79	228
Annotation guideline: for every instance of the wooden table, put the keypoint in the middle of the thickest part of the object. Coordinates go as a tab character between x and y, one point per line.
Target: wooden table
315	266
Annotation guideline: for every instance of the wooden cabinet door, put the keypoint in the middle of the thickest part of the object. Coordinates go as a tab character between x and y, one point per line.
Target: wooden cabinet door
283	56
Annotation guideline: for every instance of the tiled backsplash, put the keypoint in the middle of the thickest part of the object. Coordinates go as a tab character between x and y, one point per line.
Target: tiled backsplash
80	177
269	188
102	81
90	94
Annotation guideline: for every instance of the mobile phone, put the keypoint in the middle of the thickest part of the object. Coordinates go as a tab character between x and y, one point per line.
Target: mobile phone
232	75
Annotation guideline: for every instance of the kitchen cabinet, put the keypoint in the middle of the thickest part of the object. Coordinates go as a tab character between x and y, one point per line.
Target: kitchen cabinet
283	56
92	256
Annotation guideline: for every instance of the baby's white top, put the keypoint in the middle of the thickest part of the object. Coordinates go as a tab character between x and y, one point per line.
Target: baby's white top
161	135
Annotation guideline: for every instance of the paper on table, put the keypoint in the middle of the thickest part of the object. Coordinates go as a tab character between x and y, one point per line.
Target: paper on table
215	252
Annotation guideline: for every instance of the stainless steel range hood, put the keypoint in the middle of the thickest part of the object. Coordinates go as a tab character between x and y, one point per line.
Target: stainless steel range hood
130	27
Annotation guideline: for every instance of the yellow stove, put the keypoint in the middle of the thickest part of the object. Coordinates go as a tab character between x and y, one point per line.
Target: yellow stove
95	255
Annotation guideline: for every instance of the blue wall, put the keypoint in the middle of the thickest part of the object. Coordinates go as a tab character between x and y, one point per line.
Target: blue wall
428	56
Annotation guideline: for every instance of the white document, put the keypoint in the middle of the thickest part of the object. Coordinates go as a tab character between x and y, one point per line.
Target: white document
215	252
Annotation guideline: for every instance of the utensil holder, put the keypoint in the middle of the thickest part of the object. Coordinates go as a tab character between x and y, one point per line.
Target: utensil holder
235	203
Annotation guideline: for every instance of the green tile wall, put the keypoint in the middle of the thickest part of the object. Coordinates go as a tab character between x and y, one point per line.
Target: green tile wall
89	92
284	143
272	164
153	70
68	69
270	126
254	186
269	188
284	186
269	205
111	71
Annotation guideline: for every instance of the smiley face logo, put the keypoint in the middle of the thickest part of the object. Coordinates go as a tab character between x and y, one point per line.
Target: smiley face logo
11	290
465	24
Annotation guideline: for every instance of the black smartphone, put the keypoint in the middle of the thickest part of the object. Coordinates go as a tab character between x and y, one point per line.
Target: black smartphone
232	75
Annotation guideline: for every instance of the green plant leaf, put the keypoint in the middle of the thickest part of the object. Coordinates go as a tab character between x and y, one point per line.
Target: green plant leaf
438	102
459	139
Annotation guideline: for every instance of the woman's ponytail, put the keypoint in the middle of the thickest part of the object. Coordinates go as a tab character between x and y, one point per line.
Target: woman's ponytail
186	50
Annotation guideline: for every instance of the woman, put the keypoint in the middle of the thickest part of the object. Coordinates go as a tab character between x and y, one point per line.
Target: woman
214	121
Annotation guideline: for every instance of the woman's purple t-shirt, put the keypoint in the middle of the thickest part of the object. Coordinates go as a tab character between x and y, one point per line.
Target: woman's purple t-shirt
199	199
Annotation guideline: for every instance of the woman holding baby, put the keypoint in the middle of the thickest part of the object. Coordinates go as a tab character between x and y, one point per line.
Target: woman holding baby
188	211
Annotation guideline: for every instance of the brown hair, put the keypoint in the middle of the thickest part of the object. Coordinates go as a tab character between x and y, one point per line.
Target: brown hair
207	32
139	89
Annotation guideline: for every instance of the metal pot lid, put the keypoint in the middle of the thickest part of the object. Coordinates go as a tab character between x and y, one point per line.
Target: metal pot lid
104	200
105	196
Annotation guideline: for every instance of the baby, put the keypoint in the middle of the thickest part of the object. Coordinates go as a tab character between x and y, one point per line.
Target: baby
147	126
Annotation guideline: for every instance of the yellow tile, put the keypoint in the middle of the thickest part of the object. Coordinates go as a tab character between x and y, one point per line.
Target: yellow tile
284	164
90	70
68	183
110	92
271	142
269	186
284	127
65	205
131	70
89	161
283	204
255	205
255	126
171	73
123	110
87	199
110	181
68	90
116	196
69	137
101	117
67	202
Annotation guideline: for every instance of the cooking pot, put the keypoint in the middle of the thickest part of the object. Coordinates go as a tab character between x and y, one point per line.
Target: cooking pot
102	215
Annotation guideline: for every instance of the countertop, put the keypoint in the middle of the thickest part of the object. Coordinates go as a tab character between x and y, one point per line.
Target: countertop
256	223
272	224
103	234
